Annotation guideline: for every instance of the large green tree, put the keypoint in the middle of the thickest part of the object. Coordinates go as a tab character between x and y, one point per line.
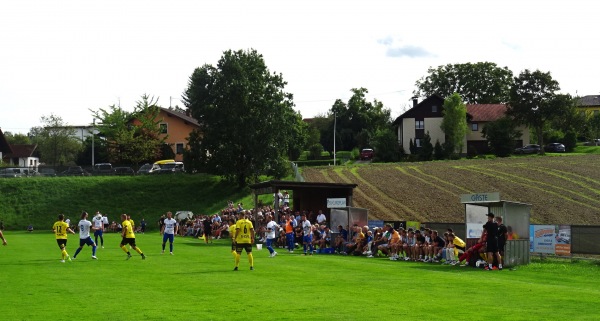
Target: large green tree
477	83
534	101
248	125
131	137
501	135
17	139
56	141
357	121
454	123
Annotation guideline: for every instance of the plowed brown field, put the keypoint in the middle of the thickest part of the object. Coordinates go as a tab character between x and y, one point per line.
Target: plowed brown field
562	190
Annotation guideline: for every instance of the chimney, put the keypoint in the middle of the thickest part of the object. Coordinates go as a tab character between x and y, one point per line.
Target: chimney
415	100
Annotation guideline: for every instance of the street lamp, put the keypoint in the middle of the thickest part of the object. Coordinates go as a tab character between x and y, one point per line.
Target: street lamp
334	129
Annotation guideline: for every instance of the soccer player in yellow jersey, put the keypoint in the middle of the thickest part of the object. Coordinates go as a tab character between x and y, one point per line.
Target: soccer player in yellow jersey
129	237
232	235
60	229
243	239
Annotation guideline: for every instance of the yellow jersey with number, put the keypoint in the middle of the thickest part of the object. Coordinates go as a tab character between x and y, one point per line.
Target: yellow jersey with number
244	234
128	230
60	230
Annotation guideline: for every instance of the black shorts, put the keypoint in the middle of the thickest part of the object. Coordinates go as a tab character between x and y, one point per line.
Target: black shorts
501	245
232	246
130	241
61	243
492	245
243	246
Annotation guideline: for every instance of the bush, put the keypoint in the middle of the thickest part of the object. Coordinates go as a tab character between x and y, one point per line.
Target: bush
344	155
316	151
320	162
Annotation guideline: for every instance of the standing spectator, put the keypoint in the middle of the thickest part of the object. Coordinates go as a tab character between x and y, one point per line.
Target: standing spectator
244	239
207	228
143	225
321	218
272	228
286	199
84	236
60	229
168	232
502	237
289	233
98	229
491	228
105	222
306	234
161	222
129	237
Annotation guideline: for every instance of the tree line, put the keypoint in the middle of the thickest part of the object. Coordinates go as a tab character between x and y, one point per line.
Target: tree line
249	127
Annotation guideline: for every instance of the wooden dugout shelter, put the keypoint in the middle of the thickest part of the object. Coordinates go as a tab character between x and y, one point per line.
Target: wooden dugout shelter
305	195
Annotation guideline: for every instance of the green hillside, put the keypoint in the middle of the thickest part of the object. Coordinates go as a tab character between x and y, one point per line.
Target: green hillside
562	189
38	200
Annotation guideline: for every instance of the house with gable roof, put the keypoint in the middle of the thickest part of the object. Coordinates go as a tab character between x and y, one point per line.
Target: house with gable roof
426	117
18	155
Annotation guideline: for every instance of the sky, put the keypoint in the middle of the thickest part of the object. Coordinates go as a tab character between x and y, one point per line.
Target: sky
66	58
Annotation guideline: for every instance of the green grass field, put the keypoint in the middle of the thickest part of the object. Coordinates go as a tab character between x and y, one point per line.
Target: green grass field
198	283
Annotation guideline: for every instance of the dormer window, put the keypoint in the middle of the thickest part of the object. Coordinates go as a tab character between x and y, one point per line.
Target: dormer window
434	109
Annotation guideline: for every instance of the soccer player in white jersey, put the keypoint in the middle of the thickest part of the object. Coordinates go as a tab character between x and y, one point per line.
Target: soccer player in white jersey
307	234
84	235
168	231
98	228
272	231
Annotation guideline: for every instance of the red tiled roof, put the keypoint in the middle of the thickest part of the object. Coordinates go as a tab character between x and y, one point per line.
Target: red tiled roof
22	151
486	112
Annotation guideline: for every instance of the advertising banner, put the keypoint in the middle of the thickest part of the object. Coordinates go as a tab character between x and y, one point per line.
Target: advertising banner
542	238
563	240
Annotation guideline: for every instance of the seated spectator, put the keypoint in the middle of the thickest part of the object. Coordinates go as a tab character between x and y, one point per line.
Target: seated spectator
382	243
316	239
454	248
409	245
341	239
325	240
473	251
437	244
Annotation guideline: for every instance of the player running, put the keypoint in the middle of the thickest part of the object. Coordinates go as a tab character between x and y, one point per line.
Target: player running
60	229
84	236
129	237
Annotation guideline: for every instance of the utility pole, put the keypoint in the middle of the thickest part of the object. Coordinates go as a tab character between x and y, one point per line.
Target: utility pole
93	139
334	130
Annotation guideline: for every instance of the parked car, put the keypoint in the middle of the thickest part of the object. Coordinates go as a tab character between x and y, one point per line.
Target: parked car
75	171
594	142
170	168
555	148
124	171
23	171
49	172
367	154
9	173
103	169
148	169
528	149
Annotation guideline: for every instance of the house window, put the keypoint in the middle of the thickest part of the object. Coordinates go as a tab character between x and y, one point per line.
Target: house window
434	109
417	142
179	148
474	127
419	124
163	128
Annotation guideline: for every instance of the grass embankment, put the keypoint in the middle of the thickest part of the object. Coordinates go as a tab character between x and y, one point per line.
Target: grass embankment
38	200
198	283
